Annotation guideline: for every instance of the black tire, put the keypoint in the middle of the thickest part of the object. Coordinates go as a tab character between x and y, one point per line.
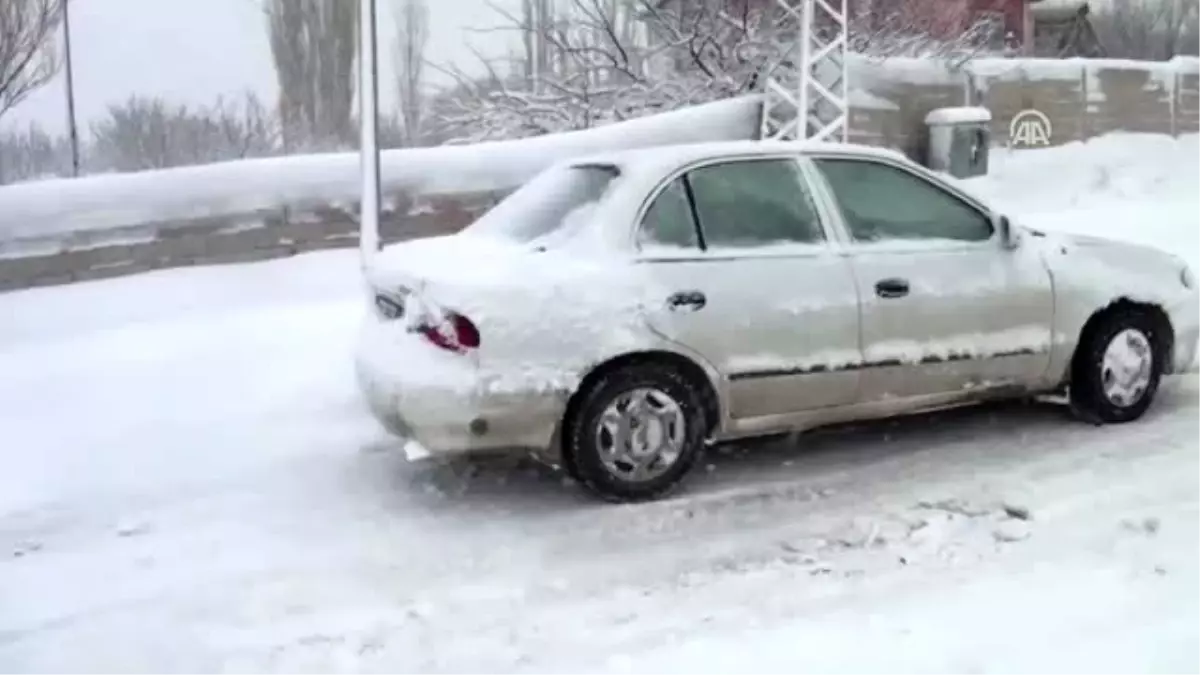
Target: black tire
1088	373
584	459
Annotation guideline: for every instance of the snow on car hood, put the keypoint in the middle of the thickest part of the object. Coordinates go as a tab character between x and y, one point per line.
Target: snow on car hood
467	271
461	259
1092	272
550	314
1120	257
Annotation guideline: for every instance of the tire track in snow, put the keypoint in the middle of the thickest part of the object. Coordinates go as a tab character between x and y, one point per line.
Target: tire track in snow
355	556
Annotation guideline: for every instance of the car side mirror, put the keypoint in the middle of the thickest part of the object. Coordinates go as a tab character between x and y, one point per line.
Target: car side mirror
1010	238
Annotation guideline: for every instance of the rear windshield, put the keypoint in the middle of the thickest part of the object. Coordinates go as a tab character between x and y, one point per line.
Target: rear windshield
549	207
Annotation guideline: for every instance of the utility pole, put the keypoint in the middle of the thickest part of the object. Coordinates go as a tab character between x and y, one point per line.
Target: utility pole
817	106
368	120
72	127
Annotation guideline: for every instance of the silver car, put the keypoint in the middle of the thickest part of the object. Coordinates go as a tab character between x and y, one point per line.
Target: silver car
620	313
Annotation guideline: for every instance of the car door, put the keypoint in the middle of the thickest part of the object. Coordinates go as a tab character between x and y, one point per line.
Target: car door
947	305
748	281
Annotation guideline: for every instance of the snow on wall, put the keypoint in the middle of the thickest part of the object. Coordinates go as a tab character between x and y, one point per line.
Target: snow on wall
1082	98
187	193
958	115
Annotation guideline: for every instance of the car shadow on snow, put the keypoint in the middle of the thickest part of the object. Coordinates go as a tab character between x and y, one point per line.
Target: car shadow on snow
996	431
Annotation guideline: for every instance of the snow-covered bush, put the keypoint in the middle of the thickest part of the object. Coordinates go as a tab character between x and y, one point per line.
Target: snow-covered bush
31	154
150	133
600	61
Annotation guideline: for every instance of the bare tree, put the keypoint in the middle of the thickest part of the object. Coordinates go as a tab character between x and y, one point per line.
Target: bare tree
314	47
1155	30
150	133
609	60
33	154
28	58
412	35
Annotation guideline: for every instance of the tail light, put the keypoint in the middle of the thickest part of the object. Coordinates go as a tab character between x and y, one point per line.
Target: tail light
450	331
442	327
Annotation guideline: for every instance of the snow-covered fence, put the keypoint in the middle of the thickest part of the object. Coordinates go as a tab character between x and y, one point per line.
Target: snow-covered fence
59	231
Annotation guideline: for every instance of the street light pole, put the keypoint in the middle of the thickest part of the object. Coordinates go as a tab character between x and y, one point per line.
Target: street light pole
72	128
368	119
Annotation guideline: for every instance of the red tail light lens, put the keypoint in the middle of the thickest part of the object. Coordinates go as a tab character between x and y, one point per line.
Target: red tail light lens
456	333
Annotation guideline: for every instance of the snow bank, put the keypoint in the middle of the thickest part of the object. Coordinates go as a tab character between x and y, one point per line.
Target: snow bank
1117	166
60	206
1139	188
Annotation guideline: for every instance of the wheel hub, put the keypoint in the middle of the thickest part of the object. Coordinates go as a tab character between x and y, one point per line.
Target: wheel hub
1126	367
641	434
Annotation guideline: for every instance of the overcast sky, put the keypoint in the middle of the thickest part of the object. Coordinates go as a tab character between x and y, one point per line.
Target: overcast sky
192	51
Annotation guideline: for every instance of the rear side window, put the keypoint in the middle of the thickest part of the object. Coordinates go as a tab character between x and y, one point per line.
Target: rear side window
740	205
668	222
882	203
551	207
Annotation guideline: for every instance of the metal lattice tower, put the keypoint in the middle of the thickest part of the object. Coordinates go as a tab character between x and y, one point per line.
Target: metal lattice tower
810	101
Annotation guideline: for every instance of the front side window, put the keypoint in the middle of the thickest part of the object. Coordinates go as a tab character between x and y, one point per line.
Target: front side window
883	203
754	203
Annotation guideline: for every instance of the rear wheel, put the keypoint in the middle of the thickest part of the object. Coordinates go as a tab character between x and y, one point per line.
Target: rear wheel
637	432
1118	367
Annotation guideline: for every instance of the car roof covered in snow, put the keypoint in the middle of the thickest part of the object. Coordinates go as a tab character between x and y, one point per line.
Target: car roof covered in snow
669	157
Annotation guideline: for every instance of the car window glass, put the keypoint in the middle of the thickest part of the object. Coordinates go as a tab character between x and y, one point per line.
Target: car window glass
881	203
550	206
754	203
668	222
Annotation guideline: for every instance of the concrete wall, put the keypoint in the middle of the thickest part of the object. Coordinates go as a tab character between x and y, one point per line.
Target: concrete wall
1082	98
220	240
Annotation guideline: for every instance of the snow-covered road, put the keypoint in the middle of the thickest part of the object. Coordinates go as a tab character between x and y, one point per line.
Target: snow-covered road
188	482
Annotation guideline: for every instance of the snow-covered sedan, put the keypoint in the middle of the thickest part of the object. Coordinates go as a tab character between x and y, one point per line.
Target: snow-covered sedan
620	313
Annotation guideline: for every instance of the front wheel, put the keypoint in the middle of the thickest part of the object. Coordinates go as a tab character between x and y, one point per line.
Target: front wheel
636	433
1118	367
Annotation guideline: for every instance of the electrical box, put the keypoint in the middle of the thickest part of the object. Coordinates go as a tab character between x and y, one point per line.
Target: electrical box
958	141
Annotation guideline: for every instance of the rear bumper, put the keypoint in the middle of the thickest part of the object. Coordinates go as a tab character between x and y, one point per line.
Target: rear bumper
440	404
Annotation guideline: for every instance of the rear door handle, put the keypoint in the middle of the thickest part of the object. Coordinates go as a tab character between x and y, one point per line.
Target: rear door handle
891	288
689	301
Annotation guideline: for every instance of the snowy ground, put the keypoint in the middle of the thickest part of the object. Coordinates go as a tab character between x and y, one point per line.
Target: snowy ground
189	483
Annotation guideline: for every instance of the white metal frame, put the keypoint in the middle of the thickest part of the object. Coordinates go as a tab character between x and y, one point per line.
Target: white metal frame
817	105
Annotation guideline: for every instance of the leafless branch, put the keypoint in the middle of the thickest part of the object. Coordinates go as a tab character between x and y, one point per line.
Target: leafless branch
28	53
596	61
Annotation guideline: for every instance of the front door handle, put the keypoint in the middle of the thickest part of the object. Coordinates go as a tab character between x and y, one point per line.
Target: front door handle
689	301
891	288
